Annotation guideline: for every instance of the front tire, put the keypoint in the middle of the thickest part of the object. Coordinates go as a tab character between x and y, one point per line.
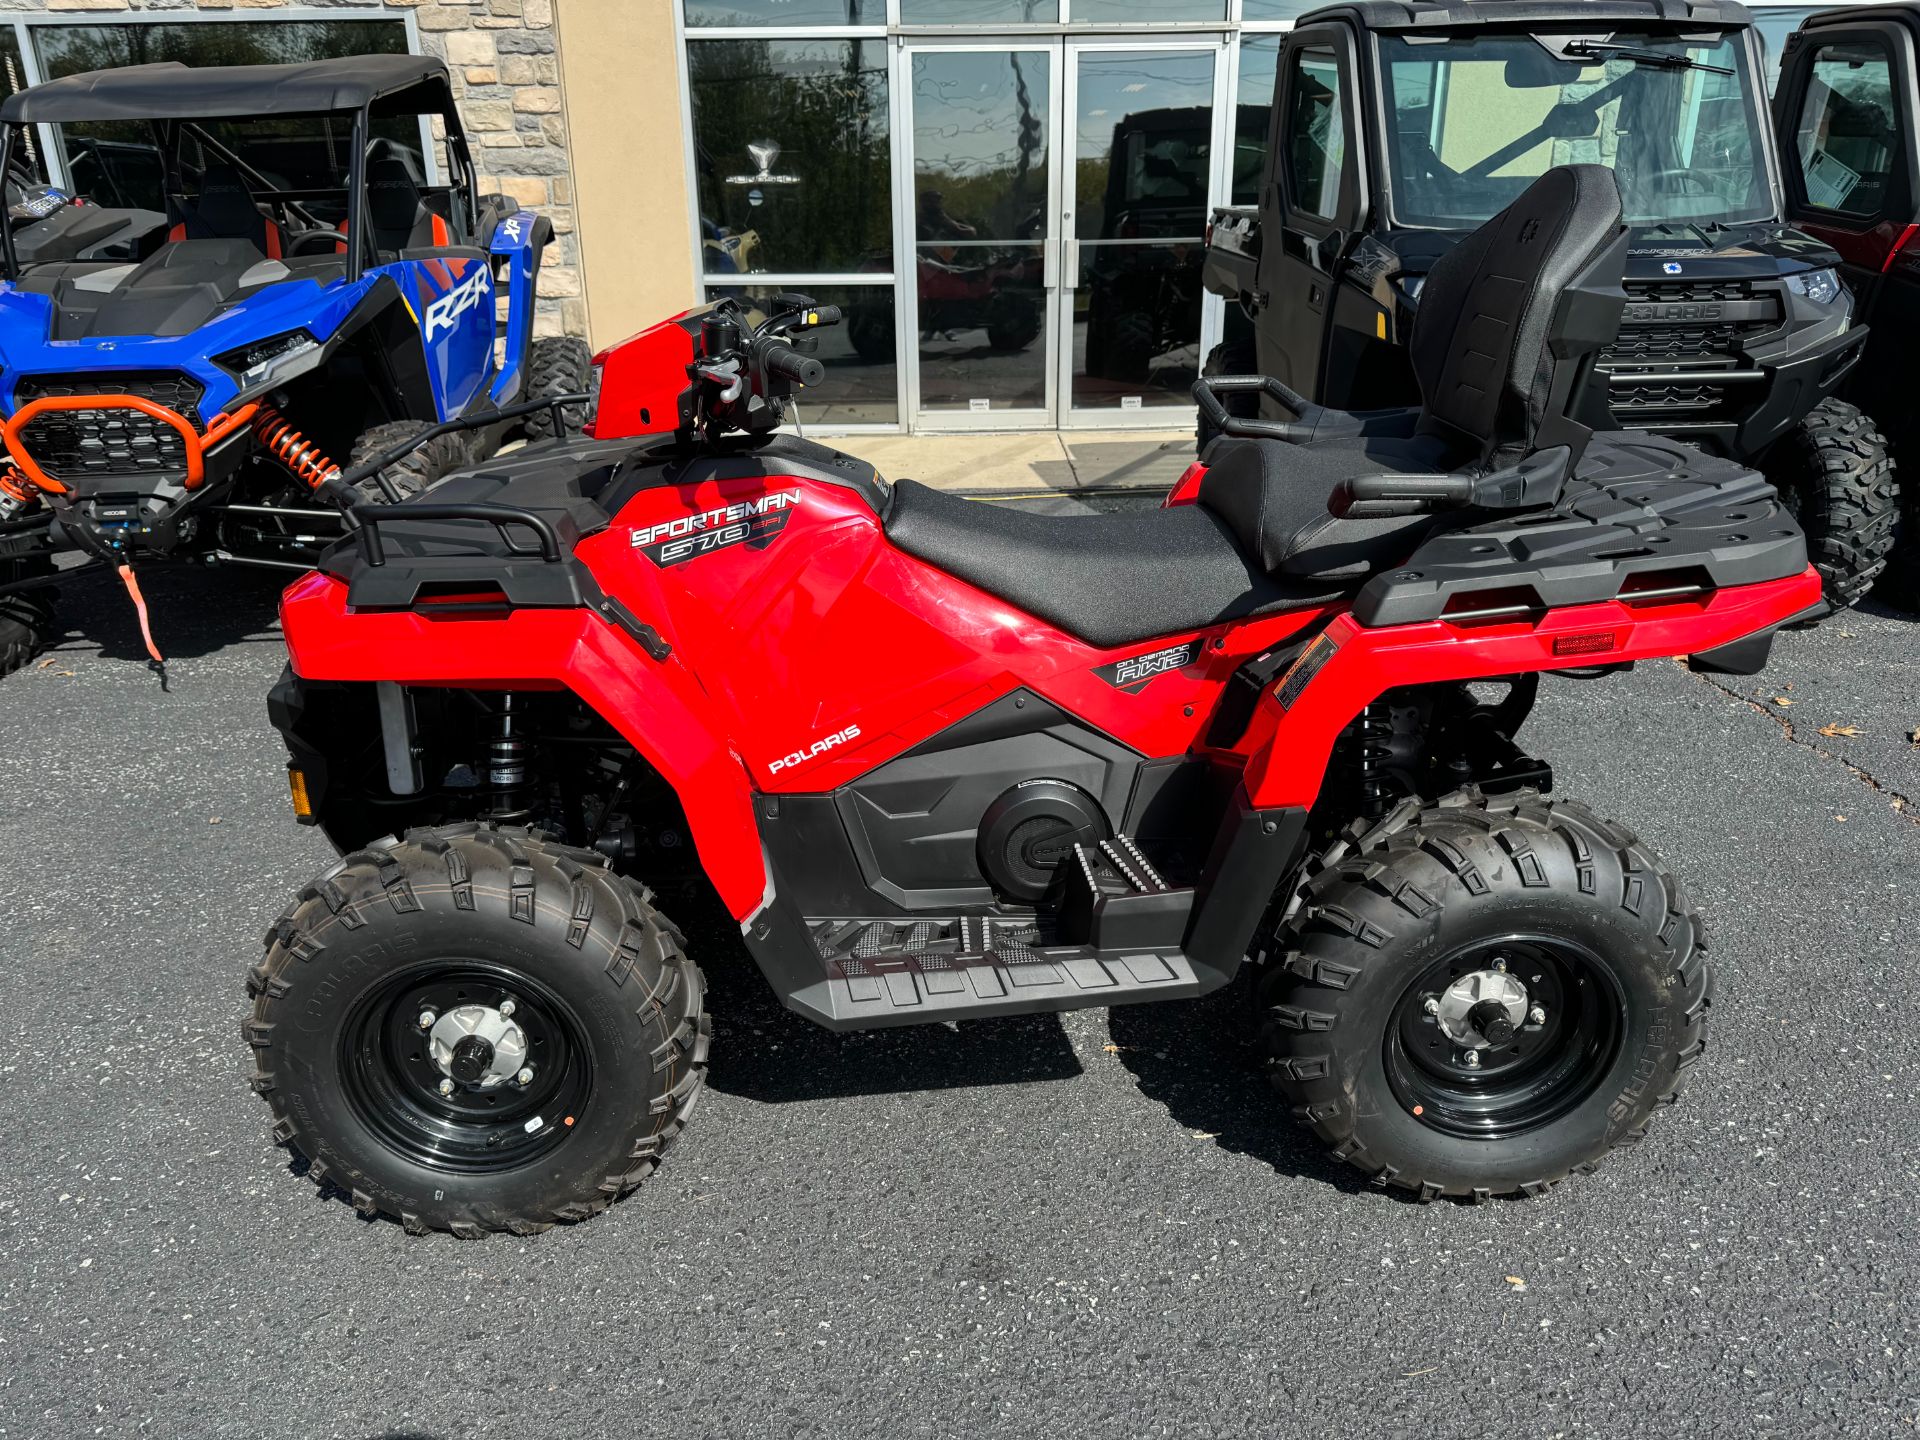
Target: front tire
418	470
557	365
1834	473
26	616
1379	982
440	1131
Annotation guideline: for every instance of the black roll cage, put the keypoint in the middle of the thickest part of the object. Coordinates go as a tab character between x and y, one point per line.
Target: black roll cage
464	181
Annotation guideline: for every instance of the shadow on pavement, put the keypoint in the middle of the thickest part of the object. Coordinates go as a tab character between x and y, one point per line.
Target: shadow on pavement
195	610
1201	1060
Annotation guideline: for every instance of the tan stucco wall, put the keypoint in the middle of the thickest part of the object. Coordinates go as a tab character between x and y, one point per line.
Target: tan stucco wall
621	80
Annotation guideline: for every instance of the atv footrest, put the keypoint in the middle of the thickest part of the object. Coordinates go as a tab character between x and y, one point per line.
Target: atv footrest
1114	899
898	971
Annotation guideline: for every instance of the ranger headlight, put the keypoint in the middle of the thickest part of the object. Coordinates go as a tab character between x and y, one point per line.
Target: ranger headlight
1822	287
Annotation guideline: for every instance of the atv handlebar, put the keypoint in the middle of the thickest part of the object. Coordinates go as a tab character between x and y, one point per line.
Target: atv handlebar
783	360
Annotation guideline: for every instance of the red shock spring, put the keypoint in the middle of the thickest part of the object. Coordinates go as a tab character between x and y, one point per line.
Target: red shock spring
293	450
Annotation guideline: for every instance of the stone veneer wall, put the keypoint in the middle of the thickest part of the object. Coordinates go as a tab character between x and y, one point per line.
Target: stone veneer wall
504	55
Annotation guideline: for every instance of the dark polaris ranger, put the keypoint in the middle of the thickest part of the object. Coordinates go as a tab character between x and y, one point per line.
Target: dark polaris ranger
1847	111
1398	128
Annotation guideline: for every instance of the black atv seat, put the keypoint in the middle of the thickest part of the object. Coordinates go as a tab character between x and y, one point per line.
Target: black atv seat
1111	579
1486	373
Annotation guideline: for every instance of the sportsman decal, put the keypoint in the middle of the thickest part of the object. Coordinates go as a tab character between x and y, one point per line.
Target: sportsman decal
753	523
1136	670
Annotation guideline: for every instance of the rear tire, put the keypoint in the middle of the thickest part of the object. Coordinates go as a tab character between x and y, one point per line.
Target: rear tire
557	365
415	472
1600	935
462	918
1833	471
26	616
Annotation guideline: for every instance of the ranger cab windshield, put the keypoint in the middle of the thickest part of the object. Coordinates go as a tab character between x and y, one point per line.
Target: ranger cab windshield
1476	119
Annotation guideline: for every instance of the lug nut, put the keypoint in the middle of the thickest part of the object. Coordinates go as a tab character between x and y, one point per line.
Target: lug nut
1501	964
1432	1007
427	1017
525	1077
446	1087
1472	1059
506	1007
1536	1016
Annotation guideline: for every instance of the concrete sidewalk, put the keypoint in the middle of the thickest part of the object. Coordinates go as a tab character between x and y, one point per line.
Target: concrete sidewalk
1060	462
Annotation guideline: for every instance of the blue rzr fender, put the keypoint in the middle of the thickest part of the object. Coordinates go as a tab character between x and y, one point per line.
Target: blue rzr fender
450	297
516	246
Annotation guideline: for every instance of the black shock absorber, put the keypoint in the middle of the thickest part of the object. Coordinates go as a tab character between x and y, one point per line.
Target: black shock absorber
507	767
1368	742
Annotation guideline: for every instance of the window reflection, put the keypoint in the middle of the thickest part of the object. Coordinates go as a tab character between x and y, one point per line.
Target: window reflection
785	12
792	149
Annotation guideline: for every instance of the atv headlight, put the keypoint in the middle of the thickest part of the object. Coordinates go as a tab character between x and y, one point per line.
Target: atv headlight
254	363
1822	287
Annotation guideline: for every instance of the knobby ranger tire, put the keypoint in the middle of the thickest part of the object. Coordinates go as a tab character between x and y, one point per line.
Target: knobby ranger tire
1834	472
566	934
1229	357
557	365
415	472
1394	900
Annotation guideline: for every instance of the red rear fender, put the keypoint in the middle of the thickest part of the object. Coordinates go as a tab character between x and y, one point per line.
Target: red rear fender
1290	741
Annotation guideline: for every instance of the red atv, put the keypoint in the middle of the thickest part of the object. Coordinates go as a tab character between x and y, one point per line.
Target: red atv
942	760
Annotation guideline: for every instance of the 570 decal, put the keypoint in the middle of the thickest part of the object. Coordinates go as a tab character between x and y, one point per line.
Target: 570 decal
751	522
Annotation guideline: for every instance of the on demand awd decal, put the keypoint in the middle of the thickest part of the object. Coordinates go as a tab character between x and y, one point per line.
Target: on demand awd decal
751	522
1136	670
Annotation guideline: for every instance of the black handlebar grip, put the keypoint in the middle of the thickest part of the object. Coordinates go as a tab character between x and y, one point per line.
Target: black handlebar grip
785	361
823	316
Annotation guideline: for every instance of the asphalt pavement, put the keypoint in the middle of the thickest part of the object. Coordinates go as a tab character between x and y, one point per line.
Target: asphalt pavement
1095	1225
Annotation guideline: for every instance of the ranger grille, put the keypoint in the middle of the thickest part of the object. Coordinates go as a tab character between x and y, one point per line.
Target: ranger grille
81	445
1677	344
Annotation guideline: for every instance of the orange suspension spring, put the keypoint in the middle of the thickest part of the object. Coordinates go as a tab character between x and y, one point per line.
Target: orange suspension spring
300	455
17	493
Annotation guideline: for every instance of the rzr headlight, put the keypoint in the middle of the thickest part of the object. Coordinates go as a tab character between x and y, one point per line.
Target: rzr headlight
254	363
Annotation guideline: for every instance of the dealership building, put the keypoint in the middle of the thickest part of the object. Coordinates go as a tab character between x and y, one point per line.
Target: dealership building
1006	197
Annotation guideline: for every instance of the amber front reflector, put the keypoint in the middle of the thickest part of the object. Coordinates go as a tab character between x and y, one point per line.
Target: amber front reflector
297	792
1597	643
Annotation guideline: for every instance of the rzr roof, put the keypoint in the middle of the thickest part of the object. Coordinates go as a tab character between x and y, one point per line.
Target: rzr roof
170	89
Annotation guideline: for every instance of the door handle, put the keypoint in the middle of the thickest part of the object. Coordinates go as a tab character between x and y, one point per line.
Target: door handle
1316	296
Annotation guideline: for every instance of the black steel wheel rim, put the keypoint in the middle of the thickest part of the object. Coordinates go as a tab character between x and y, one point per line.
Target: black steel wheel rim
392	1083
1533	1079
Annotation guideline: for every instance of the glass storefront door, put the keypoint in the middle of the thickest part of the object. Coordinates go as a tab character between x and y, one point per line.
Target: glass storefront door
1149	145
1057	202
983	207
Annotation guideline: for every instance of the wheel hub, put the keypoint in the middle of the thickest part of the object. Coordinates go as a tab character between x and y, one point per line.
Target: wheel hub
1482	1009
477	1046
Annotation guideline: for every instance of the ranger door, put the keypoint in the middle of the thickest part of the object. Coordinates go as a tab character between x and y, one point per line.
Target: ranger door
1845	110
1312	204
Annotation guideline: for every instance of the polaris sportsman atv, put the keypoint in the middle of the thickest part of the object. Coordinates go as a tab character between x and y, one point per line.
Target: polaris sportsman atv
1108	756
1400	125
305	297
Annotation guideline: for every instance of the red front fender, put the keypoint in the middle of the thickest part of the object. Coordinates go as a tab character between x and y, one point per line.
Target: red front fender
656	705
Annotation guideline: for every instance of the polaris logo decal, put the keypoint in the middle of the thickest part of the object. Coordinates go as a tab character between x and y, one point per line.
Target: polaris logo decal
1672	267
751	522
470	292
815	750
1136	670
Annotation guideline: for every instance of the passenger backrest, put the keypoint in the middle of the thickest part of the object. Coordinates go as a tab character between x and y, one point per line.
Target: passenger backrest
1511	318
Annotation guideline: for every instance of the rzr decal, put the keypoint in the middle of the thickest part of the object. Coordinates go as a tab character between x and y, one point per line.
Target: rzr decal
1136	670
751	522
819	747
472	291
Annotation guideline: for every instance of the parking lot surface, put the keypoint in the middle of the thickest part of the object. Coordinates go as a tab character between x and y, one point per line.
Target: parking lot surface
1089	1225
